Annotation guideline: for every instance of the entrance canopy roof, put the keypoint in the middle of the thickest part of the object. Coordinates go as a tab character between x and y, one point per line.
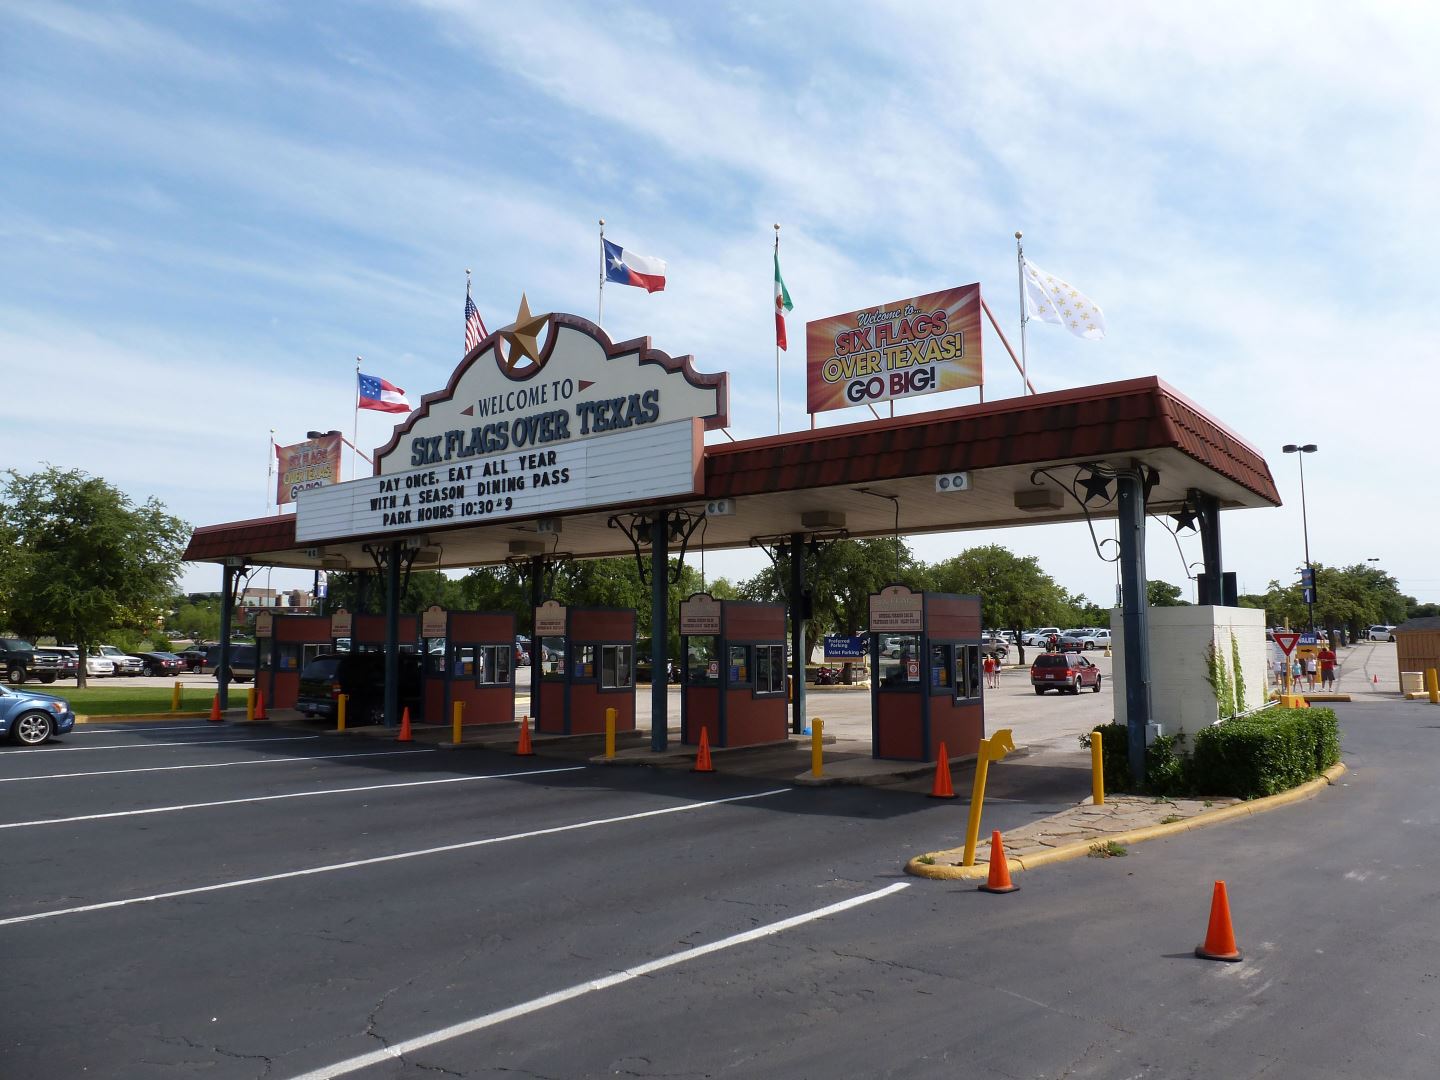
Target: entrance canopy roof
852	478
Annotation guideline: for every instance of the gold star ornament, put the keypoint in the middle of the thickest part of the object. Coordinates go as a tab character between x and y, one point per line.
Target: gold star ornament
523	338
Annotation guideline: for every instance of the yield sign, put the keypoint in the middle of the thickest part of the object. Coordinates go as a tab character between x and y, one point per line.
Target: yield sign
1286	642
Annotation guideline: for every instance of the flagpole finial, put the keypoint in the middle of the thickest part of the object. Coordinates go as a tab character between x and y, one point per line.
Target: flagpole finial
1017	234
467	271
777	226
602	222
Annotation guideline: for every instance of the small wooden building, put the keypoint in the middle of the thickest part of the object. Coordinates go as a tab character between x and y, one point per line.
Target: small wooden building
1417	645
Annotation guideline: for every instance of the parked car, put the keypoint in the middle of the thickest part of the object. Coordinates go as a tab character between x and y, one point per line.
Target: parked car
522	651
1063	671
362	677
160	663
125	664
21	660
1040	636
194	657
1381	632
30	718
242	661
96	666
995	646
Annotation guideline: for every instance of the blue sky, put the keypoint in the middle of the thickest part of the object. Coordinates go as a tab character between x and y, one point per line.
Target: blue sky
209	209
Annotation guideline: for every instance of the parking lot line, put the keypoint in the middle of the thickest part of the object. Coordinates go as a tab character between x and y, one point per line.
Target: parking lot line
288	795
178	742
377	860
217	765
605	982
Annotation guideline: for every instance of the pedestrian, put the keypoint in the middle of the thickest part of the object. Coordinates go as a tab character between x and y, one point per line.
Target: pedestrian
1277	672
988	665
1310	672
1297	669
1327	668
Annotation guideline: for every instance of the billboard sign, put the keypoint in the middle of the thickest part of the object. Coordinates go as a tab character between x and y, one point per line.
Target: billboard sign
921	345
311	464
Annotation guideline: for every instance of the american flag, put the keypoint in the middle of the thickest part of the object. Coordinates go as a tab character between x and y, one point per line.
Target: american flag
475	330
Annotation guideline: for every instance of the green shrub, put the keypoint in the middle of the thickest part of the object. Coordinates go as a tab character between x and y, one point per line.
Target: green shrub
1165	771
1266	753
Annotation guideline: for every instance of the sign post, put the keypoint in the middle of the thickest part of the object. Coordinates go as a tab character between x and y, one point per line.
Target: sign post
1287	642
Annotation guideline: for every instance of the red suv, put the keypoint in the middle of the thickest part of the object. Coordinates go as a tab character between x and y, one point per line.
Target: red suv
1064	671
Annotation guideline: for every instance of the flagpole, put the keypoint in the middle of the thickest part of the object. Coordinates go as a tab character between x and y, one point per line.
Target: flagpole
777	342
355	425
600	305
270	473
1020	273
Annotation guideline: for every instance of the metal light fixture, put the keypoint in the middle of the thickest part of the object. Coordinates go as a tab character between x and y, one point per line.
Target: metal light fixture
1302	450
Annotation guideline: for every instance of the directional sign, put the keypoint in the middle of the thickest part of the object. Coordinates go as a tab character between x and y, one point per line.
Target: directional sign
1287	642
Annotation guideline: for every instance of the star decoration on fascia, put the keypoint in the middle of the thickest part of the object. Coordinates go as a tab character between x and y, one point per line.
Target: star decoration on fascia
1096	486
1185	519
523	336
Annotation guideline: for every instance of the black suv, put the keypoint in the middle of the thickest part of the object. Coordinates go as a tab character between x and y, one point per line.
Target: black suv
362	677
242	661
20	660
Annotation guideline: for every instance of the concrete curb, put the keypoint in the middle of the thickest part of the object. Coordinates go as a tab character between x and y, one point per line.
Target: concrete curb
981	870
85	718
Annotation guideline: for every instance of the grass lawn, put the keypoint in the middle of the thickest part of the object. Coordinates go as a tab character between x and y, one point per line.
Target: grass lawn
129	700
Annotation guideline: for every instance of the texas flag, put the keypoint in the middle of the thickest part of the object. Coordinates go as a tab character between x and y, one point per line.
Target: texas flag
377	394
628	268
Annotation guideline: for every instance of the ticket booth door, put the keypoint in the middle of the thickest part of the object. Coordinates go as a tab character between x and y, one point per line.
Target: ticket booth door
549	686
701	689
897	723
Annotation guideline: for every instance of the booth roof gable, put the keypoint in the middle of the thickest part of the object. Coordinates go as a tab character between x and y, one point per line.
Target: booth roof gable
776	478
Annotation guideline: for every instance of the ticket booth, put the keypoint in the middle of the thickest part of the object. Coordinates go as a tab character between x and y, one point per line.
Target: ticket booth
286	644
583	663
928	682
732	672
367	633
469	657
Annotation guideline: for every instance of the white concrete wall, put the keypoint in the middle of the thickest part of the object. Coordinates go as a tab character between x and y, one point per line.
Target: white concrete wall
1181	699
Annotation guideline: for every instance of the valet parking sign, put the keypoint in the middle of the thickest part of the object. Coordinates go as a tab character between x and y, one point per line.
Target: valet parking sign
917	346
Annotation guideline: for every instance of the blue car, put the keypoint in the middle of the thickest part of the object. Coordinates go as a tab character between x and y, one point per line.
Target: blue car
30	719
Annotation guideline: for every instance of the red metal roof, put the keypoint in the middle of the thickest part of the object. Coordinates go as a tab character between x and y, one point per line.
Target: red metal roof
210	542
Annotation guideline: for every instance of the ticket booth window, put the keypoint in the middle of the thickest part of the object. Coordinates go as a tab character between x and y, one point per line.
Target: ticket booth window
945	662
900	662
617	666
769	669
464	662
552	658
739	664
968	668
582	662
703	657
287	656
494	665
310	651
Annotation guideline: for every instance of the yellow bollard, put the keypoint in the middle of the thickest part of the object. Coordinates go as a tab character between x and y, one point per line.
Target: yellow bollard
459	712
991	749
175	697
817	754
1432	683
341	701
250	704
609	734
1097	770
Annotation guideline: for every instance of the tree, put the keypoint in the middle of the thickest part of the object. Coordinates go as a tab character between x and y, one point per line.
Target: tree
1163	594
1014	592
83	558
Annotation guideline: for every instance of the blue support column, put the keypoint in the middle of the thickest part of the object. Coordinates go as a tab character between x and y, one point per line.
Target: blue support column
227	604
392	636
1131	498
797	630
659	630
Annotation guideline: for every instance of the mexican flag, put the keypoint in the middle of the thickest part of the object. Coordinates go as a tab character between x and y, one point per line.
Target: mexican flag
782	304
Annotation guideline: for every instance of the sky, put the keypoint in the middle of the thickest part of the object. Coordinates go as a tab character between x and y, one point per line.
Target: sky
208	210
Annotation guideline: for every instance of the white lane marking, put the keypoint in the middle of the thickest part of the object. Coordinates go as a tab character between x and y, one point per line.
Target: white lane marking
214	765
377	860
480	1023
288	795
179	742
86	729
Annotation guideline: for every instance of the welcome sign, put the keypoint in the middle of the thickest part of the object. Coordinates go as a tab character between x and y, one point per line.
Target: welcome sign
920	345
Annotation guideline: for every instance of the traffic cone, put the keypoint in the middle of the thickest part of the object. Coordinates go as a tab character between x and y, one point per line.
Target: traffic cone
941	788
702	759
1219	936
999	879
523	747
405	735
215	716
260	713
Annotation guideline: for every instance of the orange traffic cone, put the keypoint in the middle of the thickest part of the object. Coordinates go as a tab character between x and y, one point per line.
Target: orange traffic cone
702	759
523	747
941	789
999	879
405	735
1220	936
215	716
260	713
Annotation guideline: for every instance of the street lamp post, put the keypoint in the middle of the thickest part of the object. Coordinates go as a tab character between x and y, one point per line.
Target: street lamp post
1307	448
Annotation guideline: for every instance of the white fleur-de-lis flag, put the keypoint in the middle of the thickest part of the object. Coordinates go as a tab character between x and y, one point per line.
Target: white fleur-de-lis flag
1049	299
